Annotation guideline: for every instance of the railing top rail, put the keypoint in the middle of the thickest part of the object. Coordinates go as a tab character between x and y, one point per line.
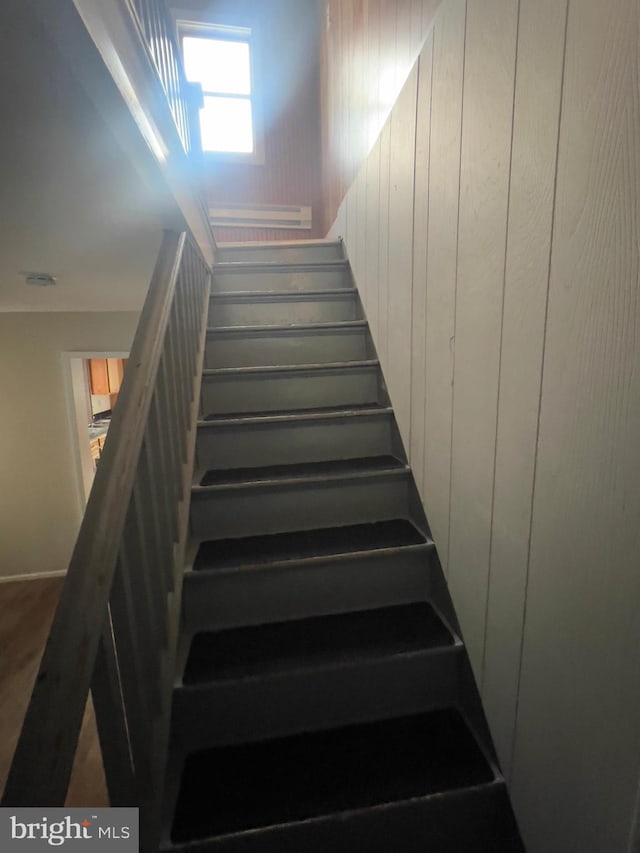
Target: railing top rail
44	756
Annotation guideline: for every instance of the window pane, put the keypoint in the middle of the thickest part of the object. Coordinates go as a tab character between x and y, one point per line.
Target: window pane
219	66
226	125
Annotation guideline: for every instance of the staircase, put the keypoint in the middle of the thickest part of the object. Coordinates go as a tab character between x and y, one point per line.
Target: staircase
324	700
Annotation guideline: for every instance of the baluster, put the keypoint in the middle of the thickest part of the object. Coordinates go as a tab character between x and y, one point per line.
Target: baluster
181	325
147	20
168	426
149	475
198	293
134	652
155	38
150	570
173	365
193	318
134	553
172	422
178	342
174	77
168	61
111	721
165	60
138	8
188	318
153	532
188	306
162	453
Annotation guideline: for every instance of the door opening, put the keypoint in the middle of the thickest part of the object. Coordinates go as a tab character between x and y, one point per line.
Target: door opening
93	382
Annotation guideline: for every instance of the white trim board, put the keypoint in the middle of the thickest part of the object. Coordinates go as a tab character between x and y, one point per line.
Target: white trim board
288	216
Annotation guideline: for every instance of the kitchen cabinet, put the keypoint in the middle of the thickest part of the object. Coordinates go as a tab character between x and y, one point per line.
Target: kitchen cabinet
99	376
115	372
106	375
96	445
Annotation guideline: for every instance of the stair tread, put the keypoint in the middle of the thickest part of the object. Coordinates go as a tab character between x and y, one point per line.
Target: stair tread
338	325
296	470
231	789
287	295
293	368
299	414
335	639
258	245
326	412
302	544
280	266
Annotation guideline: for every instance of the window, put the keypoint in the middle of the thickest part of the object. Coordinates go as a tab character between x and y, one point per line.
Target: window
220	59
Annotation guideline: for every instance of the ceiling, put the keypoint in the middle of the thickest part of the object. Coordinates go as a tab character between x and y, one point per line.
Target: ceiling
72	202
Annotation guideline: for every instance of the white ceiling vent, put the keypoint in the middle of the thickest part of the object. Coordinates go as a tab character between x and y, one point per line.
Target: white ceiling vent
261	216
39	279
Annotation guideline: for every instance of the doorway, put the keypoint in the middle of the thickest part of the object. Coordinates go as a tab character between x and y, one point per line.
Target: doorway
93	382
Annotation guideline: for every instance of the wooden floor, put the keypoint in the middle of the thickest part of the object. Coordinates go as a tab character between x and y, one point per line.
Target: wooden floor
26	611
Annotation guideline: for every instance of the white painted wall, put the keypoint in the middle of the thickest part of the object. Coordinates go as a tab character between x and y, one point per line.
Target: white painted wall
39	503
77	198
493	232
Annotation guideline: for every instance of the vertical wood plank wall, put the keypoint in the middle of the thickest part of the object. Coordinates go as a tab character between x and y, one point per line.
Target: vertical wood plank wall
493	233
368	49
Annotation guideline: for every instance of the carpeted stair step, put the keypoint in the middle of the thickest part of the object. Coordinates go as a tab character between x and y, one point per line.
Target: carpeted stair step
259	681
302	498
310	412
413	783
302	573
300	470
263	650
307	544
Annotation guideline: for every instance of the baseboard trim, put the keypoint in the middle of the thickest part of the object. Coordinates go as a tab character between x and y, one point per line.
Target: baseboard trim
33	576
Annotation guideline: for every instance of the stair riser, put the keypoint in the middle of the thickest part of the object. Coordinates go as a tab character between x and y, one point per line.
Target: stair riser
304	254
214	600
261	708
288	391
305	347
477	820
280	311
283	443
281	279
228	513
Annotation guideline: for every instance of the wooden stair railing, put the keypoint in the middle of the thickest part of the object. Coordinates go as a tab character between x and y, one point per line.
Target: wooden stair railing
115	628
185	98
135	41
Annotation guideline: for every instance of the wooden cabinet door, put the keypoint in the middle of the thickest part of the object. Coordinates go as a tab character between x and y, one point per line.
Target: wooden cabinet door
99	376
115	369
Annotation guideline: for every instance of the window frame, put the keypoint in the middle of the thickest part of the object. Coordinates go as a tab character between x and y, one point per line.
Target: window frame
225	32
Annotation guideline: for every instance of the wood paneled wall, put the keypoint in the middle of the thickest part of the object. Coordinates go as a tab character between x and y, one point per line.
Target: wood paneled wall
287	42
368	49
493	233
